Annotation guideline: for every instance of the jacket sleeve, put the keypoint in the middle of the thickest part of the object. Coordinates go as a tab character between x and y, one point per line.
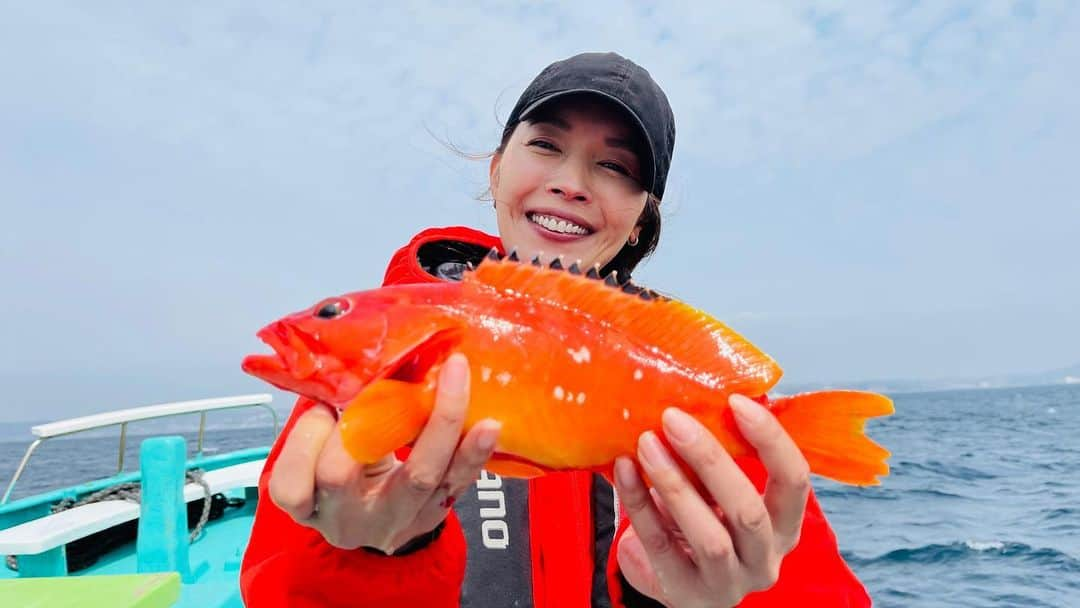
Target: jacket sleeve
813	574
289	565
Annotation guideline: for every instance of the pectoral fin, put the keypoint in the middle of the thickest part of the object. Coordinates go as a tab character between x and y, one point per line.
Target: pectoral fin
383	417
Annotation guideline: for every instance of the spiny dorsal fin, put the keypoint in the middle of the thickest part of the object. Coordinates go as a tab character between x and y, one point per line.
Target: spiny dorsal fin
685	333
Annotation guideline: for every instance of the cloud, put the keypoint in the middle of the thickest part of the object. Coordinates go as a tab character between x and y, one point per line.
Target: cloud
171	177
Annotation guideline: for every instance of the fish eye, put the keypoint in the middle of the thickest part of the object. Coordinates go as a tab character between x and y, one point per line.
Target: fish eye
332	309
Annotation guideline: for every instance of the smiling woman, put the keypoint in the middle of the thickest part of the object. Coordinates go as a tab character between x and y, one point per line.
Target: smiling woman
568	182
577	178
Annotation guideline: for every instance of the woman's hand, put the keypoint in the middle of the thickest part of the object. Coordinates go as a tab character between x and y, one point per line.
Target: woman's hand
685	552
385	504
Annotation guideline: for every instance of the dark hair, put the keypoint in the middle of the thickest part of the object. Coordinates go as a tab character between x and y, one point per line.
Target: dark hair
628	258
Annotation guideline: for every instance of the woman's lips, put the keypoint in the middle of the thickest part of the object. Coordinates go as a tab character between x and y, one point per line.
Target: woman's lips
558	227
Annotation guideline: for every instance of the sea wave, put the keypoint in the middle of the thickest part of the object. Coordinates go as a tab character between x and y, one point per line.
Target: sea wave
1052	514
878	493
861	494
953	471
959	551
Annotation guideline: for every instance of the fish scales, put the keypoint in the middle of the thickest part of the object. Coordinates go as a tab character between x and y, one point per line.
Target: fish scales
572	390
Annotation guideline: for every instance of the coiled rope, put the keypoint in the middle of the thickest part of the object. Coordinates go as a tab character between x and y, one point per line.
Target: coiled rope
132	492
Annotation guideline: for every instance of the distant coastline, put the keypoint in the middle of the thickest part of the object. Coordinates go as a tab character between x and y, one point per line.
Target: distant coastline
1060	376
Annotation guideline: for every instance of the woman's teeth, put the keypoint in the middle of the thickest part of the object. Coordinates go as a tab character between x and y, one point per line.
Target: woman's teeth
555	224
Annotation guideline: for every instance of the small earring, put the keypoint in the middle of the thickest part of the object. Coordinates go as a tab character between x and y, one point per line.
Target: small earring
632	241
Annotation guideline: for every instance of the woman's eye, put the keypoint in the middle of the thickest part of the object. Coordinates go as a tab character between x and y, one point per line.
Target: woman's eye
616	167
542	143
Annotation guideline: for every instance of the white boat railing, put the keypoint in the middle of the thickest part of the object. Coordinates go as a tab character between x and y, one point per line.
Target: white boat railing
127	416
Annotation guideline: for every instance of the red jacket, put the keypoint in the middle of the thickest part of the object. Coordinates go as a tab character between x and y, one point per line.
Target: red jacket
290	565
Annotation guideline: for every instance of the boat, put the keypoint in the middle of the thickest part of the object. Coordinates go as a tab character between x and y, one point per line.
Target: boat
171	533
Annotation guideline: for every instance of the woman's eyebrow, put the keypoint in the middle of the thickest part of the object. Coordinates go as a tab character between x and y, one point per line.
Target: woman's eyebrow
618	142
562	125
555	122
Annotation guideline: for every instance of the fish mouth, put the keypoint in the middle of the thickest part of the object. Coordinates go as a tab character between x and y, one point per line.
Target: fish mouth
293	351
299	364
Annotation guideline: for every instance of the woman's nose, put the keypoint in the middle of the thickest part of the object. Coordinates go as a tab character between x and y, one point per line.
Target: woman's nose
570	185
569	193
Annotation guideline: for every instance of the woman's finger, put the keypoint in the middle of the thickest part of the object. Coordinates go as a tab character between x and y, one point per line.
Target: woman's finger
661	508
340	485
672	566
426	466
292	482
714	550
475	450
789	474
635	566
747	519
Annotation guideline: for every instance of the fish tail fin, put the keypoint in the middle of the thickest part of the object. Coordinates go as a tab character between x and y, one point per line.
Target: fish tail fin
385	416
828	427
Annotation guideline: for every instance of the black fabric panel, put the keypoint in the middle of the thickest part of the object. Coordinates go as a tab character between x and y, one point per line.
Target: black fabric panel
494	515
632	598
603	516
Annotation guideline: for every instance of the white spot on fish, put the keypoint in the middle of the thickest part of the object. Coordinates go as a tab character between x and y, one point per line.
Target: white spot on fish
558	392
504	378
569	396
625	414
580	355
485	373
581	398
638	375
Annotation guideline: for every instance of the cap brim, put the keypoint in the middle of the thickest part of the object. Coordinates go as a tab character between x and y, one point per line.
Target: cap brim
637	122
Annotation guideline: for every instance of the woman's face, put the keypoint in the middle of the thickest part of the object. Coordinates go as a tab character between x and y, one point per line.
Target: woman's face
569	184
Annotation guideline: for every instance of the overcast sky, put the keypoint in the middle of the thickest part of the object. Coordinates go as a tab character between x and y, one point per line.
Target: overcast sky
864	189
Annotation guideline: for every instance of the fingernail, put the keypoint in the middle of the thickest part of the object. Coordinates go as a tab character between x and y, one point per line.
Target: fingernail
455	371
680	426
652	452
488	436
748	410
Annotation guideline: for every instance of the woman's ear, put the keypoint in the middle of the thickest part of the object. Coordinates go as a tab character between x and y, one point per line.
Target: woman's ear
493	174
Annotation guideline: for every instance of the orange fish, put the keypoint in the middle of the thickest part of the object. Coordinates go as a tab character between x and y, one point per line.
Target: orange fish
575	368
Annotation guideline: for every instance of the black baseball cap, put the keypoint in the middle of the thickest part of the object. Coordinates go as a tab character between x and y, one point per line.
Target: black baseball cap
621	81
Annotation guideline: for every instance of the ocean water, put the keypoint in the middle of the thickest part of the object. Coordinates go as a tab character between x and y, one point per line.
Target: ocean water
982	507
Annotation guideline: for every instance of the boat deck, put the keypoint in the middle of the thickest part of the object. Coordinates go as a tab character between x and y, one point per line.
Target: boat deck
208	567
214	557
